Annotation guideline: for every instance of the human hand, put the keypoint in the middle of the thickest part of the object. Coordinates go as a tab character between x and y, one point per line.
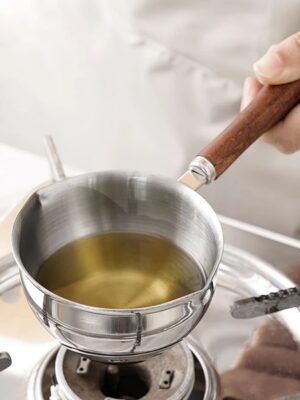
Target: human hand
268	368
280	64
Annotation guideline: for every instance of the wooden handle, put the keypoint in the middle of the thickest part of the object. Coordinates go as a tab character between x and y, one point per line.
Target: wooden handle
269	106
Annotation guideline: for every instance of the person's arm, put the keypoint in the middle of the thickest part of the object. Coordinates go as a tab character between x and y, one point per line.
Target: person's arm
280	64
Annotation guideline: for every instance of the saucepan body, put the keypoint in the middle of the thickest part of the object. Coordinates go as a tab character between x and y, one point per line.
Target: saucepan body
105	202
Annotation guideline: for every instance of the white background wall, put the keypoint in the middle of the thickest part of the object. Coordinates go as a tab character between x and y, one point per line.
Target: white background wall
65	71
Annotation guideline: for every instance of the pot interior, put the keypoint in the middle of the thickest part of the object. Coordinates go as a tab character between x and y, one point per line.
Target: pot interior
119	215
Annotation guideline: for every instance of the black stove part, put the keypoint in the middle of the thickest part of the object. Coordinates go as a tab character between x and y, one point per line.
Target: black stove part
266	304
126	382
5	361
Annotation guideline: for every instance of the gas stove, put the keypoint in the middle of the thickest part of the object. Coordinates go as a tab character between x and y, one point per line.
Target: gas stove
41	370
177	374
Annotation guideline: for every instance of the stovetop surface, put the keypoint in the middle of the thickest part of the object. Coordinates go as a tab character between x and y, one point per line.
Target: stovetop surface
253	357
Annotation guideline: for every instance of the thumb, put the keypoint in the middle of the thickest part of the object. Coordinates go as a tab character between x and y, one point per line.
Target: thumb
281	63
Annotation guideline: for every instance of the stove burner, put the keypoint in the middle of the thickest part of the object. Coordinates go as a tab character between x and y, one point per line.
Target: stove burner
180	373
169	376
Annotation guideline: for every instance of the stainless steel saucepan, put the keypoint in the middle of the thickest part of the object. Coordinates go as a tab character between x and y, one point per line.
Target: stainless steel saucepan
102	202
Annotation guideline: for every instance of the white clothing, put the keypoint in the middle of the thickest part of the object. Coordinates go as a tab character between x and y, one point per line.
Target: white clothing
144	84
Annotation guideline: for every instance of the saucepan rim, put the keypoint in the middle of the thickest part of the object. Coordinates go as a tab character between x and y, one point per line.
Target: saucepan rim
179	187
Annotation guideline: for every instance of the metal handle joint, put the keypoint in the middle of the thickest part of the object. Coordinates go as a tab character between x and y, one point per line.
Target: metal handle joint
202	167
200	172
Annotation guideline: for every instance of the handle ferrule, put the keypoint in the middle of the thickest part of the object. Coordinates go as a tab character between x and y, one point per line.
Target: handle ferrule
200	172
201	166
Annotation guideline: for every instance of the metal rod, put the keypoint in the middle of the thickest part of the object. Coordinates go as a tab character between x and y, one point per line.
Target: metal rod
112	379
258	231
57	170
266	304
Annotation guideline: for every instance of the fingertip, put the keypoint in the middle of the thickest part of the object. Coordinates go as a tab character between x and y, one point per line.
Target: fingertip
262	79
249	82
250	89
280	64
270	66
246	89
